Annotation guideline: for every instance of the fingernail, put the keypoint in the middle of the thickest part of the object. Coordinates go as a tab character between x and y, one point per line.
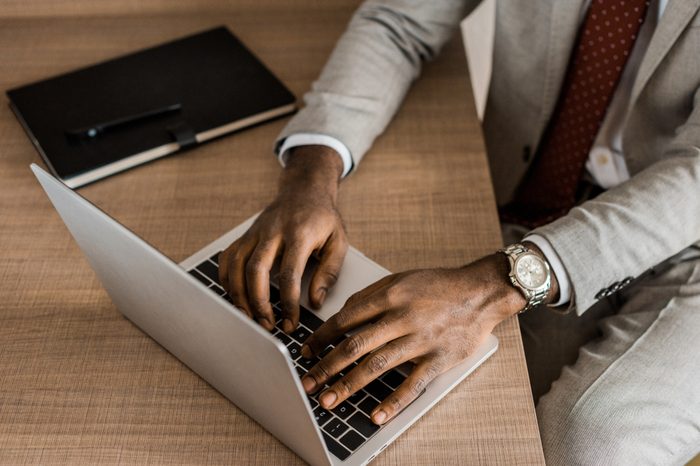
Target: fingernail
308	383
322	295
379	417
328	398
287	326
306	352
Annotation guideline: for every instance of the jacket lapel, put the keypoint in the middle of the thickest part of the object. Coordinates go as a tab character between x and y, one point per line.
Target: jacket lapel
671	24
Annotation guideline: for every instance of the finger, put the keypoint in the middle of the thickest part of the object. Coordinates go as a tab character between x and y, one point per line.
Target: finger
348	318
257	276
375	364
350	350
237	259
365	292
291	271
326	274
223	266
409	390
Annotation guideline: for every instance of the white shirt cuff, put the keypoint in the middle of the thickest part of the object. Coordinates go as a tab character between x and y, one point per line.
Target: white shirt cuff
312	139
557	267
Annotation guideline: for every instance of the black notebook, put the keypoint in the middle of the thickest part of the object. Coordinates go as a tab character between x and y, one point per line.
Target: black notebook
100	120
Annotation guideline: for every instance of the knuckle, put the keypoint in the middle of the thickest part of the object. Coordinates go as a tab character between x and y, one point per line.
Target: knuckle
289	309
339	320
377	363
320	372
237	256
235	295
313	344
434	370
395	403
353	346
306	232
352	299
418	385
258	304
301	232
288	276
394	294
254	267
331	277
345	387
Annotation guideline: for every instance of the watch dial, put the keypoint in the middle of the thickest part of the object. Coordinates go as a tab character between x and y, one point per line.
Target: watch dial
530	271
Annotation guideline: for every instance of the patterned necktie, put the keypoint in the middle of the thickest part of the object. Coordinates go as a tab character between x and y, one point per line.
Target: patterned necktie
605	41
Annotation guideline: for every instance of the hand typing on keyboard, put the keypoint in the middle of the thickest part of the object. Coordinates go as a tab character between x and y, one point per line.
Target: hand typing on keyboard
302	220
435	318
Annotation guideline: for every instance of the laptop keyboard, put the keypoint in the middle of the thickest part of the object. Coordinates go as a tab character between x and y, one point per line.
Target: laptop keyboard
346	427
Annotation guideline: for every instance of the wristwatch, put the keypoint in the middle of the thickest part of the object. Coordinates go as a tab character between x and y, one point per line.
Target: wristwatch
529	273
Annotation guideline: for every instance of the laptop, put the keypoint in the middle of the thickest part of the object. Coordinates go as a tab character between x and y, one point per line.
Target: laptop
183	308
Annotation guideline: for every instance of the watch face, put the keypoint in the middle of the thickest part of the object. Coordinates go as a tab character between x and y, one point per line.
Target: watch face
530	271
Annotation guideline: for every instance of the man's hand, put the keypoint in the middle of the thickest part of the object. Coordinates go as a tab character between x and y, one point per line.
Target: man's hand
435	318
303	220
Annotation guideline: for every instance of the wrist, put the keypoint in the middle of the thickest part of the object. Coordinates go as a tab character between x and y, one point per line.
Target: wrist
497	298
312	169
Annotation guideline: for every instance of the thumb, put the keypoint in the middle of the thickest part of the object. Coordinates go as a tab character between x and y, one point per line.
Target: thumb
326	274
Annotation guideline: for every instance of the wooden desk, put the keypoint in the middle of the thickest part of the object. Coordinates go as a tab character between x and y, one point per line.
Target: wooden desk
80	384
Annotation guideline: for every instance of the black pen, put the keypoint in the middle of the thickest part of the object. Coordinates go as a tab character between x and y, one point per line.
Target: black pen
94	131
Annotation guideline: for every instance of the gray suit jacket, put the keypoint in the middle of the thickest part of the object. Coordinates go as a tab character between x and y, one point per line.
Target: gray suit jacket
611	239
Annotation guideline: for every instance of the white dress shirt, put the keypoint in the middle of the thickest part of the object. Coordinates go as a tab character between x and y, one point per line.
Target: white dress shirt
605	164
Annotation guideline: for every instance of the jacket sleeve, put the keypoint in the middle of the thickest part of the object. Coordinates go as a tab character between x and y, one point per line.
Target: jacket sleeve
607	242
371	68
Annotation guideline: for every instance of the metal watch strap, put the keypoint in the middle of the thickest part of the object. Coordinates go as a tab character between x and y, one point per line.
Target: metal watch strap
534	298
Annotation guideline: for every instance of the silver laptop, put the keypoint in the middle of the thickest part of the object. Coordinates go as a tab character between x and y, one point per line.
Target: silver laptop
183	308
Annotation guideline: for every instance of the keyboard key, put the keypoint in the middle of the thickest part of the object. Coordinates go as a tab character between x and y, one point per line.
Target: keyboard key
393	378
335	448
300	371
325	352
300	334
310	320
200	277
274	295
378	390
278	315
313	402
307	363
368	405
335	427
343	410
352	440
210	270
363	424
283	337
322	416
294	350
357	397
218	290
215	258
347	370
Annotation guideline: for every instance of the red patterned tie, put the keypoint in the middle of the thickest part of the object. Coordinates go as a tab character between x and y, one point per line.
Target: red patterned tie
605	41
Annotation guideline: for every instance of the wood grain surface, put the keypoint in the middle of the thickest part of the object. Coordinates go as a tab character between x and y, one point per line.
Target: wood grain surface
79	384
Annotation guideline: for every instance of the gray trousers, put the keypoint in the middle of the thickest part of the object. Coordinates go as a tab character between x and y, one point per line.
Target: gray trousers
620	384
